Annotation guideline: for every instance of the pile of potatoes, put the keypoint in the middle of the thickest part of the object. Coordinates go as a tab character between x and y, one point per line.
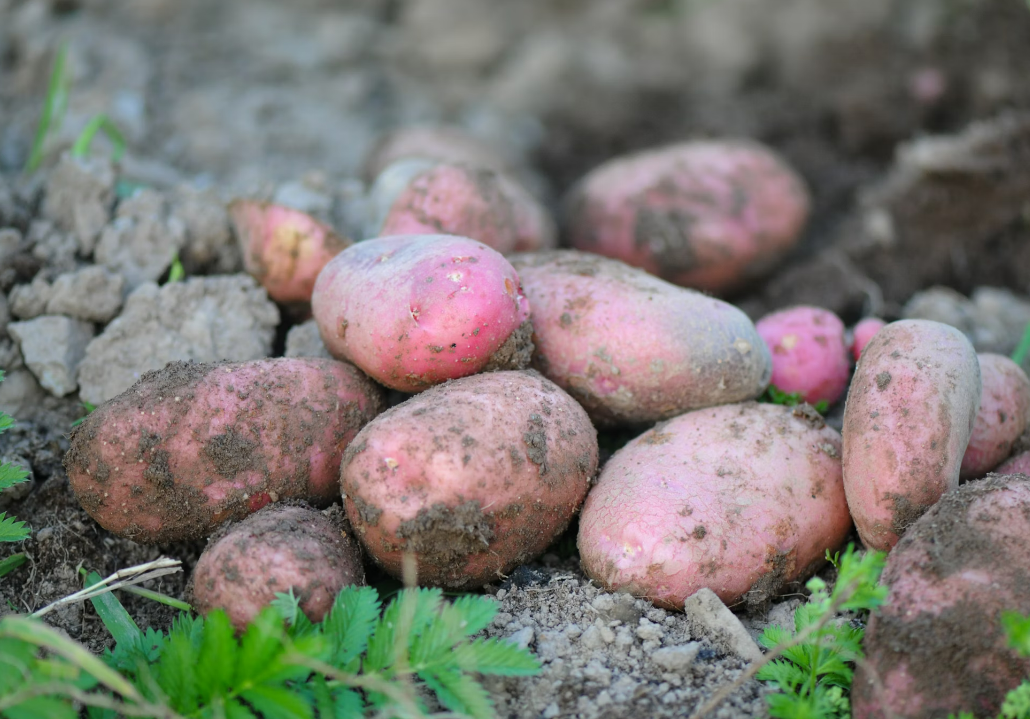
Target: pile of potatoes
513	354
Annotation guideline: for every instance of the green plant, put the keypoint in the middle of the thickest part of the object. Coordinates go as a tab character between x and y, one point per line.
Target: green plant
1023	349
99	123
360	658
774	395
814	676
11	530
89	407
177	272
1017	701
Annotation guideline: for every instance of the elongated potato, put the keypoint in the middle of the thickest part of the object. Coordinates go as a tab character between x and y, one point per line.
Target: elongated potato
474	477
739	499
937	647
1003	416
909	415
706	214
193	445
1018	464
416	310
275	550
631	348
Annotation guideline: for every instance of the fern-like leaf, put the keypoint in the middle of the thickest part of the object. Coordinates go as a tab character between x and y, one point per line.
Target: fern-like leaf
350	623
12	530
495	656
460	693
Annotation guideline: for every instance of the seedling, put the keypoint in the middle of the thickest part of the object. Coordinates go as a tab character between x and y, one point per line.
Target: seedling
1019	356
89	407
11	530
774	395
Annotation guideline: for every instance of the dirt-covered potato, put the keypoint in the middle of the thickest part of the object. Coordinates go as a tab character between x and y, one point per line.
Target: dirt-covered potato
1003	416
283	248
414	197
937	647
703	214
907	422
192	445
416	310
809	354
277	549
474	477
739	499
632	348
1018	464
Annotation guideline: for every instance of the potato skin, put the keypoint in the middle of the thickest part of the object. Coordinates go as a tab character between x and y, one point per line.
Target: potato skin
417	310
283	248
740	499
864	331
193	445
908	418
1003	416
274	550
809	354
475	476
425	198
1018	464
634	349
937	647
705	214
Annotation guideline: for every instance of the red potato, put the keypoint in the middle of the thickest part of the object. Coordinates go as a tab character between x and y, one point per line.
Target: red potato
740	499
475	477
908	418
864	331
415	197
937	647
277	549
192	445
284	249
1003	416
438	144
631	348
417	310
809	354
1019	464
707	214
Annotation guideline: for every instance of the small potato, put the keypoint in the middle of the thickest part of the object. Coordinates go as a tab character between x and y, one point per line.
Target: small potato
277	549
863	332
809	354
631	348
709	215
908	418
438	144
740	499
414	197
937	647
1003	416
283	248
474	477
417	310
1018	464
193	445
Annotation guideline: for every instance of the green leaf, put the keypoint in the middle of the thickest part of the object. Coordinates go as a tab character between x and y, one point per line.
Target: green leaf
176	670
261	645
11	563
217	655
99	123
43	708
113	614
236	710
1017	629
177	272
476	612
1023	349
11	530
12	474
494	656
348	705
460	693
350	623
1017	702
53	108
278	703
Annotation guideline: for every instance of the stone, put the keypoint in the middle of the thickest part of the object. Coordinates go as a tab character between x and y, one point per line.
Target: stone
20	393
53	346
143	239
209	241
92	294
303	340
204	319
676	659
712	619
29	301
79	195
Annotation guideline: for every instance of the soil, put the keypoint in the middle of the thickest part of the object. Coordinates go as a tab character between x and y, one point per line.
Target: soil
909	121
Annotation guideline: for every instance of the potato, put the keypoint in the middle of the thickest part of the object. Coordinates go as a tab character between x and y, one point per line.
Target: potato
740	499
474	477
864	331
438	144
706	214
277	549
937	648
417	310
283	248
1017	464
631	348
1003	416
192	445
413	197
809	354
908	418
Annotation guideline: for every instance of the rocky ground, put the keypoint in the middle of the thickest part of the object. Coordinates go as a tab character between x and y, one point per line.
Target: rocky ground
909	119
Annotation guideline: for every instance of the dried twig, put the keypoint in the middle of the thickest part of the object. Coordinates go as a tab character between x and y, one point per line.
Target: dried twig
121	578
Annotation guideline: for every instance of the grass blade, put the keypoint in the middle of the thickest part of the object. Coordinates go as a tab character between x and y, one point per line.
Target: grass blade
53	108
113	614
99	123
